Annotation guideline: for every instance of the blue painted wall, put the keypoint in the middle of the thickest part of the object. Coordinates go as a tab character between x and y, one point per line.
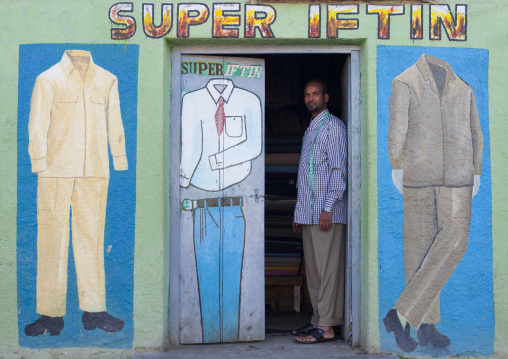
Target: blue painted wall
122	61
467	305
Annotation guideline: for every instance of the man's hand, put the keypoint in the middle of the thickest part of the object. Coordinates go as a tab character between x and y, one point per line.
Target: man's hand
325	221
397	176
296	227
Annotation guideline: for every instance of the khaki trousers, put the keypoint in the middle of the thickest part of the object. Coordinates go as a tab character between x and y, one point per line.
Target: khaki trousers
324	262
436	235
55	197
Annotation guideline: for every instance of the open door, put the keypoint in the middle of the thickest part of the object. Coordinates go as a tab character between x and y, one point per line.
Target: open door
350	84
221	245
346	98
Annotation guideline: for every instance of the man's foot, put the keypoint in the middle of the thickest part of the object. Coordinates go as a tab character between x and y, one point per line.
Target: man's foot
402	336
303	330
45	324
317	335
103	321
428	334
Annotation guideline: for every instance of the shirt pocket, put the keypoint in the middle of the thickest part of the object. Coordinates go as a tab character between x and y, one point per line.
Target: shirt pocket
97	96
69	98
234	126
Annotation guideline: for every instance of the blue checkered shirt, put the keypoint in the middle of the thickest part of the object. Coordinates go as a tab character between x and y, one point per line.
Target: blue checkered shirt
330	172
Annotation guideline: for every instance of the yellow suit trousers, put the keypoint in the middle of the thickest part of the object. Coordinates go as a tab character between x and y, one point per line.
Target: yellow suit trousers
55	197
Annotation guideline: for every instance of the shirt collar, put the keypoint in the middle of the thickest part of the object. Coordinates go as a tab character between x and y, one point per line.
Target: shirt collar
423	66
68	65
317	120
216	95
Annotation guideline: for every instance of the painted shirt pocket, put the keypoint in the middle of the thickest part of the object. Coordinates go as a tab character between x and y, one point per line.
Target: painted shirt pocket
97	96
68	98
234	126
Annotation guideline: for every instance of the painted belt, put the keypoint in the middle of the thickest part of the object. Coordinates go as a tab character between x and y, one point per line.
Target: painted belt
190	204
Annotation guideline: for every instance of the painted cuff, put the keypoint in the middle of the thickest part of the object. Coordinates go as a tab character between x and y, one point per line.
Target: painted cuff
120	163
215	164
184	181
38	165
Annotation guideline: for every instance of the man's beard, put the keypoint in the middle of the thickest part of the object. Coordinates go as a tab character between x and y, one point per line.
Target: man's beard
314	109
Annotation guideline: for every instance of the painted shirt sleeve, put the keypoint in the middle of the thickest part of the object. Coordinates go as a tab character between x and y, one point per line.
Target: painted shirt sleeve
116	134
477	137
192	141
38	124
398	124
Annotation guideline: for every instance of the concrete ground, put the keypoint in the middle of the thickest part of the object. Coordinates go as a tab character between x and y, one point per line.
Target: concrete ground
278	344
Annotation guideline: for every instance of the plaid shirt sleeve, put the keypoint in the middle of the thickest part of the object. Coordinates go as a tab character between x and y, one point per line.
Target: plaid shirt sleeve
336	147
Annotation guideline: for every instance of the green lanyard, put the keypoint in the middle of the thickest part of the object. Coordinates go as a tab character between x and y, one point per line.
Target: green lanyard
312	165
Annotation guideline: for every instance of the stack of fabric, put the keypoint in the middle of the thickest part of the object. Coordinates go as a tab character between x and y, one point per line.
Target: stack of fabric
283	247
277	264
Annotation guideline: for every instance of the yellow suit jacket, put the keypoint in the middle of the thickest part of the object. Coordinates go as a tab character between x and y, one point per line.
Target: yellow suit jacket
74	114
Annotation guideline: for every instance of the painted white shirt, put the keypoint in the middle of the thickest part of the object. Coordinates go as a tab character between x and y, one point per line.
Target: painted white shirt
73	118
209	161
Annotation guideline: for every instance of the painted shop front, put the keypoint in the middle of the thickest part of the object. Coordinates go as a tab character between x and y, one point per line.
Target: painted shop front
151	152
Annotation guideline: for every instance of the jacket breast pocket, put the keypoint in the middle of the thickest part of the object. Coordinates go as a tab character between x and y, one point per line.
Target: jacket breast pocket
69	98
234	126
97	96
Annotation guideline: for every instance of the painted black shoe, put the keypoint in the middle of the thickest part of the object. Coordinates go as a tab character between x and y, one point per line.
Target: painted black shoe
428	334
102	321
402	336
407	329
45	324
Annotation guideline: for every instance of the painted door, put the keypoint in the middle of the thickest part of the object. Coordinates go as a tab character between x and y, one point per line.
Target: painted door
221	195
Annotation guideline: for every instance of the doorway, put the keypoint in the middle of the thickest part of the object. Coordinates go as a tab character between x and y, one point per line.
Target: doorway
287	70
287	302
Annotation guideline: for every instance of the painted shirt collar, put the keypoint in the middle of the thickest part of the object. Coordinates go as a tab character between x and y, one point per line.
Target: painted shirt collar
216	95
68	64
423	66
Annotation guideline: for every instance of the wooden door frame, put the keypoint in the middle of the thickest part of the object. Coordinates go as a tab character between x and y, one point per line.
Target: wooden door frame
353	291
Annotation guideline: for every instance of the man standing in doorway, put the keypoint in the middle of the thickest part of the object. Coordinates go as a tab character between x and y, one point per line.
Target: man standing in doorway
320	214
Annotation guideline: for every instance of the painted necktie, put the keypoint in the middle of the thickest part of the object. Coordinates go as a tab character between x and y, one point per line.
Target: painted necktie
220	117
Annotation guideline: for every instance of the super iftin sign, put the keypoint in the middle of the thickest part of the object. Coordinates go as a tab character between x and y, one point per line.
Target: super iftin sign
219	69
225	20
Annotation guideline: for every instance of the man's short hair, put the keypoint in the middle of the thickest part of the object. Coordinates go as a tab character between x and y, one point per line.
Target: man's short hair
323	84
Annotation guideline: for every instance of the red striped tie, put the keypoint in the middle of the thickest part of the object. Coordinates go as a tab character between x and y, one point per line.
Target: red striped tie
220	117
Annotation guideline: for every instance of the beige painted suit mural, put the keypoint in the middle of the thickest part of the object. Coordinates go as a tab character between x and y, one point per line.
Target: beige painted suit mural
435	147
74	115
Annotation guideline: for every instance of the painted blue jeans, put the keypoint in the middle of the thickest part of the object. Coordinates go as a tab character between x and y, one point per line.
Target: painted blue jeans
219	236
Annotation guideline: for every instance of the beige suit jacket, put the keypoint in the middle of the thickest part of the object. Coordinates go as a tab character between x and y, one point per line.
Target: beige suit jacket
434	130
74	114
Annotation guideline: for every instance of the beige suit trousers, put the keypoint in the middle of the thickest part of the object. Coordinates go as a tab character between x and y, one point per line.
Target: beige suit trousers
55	197
436	235
324	262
